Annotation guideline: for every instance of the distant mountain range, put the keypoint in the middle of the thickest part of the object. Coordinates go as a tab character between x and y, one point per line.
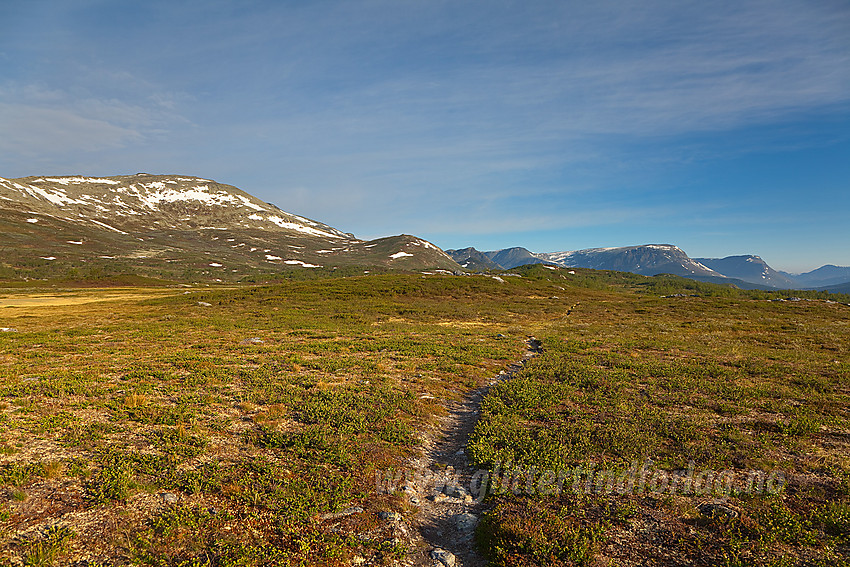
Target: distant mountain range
746	271
176	226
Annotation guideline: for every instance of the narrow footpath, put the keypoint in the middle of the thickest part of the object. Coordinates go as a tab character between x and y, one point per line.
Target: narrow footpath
442	532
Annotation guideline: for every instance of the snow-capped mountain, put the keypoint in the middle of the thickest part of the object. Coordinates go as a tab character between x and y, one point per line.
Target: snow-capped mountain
516	256
178	226
153	202
750	269
647	259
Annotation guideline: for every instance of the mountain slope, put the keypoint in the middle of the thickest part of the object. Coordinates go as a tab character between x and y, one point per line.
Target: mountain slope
513	257
825	276
179	227
145	202
473	260
647	259
750	269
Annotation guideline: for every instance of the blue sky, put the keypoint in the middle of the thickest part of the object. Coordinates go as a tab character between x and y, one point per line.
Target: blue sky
721	127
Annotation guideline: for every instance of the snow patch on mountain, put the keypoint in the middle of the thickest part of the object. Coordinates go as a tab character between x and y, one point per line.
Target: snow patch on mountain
76	180
283	223
300	263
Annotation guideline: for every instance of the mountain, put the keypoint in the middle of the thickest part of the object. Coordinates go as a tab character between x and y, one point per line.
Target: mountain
825	276
647	259
176	226
750	269
473	260
745	271
512	257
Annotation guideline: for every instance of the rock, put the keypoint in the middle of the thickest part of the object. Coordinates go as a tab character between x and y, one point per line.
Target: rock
715	509
252	341
444	557
204	304
169	497
466	522
389	516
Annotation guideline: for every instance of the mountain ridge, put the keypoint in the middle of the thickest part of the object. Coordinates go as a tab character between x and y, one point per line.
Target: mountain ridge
654	259
177	226
750	268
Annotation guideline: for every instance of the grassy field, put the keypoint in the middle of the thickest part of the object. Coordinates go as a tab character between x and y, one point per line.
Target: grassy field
683	430
242	425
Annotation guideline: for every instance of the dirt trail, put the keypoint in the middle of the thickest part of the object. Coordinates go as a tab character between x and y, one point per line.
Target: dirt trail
449	512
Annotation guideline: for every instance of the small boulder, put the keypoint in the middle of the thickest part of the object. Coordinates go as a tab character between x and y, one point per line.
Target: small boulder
443	557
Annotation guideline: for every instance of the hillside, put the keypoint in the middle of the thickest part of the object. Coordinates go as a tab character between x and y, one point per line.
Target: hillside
750	269
176	227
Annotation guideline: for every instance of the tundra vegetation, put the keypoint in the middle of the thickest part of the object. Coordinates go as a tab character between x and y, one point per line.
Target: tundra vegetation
182	426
